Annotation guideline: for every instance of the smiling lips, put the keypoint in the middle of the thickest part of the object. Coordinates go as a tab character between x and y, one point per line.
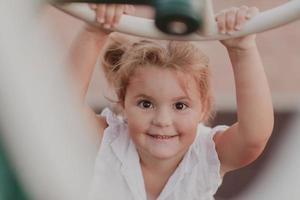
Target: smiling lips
162	137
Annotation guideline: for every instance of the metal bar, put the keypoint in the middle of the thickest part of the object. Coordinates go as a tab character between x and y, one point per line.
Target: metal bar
137	2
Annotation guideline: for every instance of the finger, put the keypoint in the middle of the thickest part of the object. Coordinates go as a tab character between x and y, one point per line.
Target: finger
253	11
118	14
109	17
129	9
241	17
101	10
93	6
230	20
220	18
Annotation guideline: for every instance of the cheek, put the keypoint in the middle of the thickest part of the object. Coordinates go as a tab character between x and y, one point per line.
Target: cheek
187	125
137	122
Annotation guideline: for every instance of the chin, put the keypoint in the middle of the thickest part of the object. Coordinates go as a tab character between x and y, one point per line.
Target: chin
165	154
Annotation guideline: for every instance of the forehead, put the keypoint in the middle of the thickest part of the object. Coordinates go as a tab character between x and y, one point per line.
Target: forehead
162	82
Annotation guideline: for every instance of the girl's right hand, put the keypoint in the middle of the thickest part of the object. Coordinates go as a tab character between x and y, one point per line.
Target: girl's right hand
109	15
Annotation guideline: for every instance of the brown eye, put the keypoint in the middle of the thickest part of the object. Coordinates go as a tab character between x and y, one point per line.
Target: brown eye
145	104
180	106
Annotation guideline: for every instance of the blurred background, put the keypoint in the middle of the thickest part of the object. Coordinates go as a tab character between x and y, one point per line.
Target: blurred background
279	51
276	174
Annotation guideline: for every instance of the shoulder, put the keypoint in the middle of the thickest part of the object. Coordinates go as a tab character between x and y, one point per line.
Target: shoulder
232	150
107	118
96	120
206	146
201	163
102	125
208	135
110	123
101	122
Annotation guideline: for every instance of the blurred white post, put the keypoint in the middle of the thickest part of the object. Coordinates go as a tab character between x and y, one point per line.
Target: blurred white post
46	134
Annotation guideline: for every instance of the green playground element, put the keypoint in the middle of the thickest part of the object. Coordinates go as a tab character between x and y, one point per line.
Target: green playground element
176	17
10	188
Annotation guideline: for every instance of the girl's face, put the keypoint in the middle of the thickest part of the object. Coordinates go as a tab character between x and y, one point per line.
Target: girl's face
162	115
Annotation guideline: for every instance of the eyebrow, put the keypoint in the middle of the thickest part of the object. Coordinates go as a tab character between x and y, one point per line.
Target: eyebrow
143	96
181	98
173	99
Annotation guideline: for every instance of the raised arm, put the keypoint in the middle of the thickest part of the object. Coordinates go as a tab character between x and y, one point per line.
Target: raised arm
86	49
84	53
244	141
87	45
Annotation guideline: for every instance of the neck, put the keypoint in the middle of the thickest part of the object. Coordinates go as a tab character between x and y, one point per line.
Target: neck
160	166
156	172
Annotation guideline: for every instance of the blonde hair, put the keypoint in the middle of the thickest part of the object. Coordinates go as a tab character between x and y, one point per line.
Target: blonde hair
120	59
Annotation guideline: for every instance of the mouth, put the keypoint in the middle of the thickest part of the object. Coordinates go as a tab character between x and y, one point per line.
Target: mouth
161	137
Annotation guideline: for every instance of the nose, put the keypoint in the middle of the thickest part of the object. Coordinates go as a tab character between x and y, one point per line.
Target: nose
162	118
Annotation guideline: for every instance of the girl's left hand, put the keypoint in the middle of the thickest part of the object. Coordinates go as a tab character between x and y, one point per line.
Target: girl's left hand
109	15
232	20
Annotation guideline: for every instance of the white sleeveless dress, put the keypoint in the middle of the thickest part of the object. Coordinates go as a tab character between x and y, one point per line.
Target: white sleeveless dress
118	174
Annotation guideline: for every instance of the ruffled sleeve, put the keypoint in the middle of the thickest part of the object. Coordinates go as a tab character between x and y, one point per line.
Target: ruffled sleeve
111	118
209	161
115	136
113	160
213	159
115	123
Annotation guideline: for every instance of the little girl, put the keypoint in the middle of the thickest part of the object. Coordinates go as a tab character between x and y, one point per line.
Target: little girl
156	146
